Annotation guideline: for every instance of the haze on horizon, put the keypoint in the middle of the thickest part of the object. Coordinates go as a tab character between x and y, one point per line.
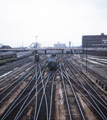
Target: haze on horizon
52	21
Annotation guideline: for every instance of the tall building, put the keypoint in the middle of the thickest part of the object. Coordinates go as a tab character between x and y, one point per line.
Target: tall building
69	44
91	41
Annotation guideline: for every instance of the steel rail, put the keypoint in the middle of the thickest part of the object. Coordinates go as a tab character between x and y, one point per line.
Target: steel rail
20	102
65	94
86	90
74	94
84	96
18	97
9	110
22	99
21	108
43	94
16	85
89	84
25	100
96	74
51	98
28	73
32	99
16	65
15	73
98	108
36	95
91	97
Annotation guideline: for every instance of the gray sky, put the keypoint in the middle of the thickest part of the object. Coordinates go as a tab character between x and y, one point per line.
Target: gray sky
52	21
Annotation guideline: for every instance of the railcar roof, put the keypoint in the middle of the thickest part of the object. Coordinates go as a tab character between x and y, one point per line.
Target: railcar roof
52	59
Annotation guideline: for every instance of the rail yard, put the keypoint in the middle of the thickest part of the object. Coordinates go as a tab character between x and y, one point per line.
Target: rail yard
30	90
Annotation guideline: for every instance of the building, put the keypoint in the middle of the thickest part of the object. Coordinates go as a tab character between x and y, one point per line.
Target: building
1	45
5	47
69	44
59	45
91	41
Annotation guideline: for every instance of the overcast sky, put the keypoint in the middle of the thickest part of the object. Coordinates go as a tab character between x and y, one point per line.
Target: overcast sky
52	21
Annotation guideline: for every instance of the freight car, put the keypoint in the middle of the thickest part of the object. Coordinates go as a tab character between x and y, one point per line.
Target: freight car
52	62
36	57
7	55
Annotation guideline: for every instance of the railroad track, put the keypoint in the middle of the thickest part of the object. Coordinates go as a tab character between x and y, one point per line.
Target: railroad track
102	61
28	79
94	73
40	94
97	103
6	68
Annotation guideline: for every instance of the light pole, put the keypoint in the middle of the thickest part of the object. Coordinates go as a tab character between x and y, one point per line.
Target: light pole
36	41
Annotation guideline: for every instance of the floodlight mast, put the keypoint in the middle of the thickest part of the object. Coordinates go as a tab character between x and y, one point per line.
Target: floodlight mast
36	41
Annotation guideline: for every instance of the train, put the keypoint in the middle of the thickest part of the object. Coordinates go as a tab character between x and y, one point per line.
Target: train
67	52
36	57
7	55
52	62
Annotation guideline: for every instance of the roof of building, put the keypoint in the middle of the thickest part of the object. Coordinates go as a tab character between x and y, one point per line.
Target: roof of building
5	47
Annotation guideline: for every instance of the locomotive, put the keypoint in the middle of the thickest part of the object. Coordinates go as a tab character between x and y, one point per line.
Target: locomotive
67	52
52	62
36	57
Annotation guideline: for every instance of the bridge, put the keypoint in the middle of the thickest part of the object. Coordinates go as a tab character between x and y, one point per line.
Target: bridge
46	50
90	51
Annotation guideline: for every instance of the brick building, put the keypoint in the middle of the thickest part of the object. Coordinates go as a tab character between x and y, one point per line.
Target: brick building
91	41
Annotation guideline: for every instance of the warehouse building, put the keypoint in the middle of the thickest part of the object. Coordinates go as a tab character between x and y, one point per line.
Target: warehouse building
91	41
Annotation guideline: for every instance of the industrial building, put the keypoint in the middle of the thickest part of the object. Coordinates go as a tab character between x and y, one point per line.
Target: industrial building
90	41
59	45
5	47
69	44
1	45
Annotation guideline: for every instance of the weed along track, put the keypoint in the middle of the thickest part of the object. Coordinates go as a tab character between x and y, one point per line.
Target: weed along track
33	92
